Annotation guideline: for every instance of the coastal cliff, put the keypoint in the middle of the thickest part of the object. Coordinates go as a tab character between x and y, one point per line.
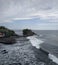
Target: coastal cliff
7	36
28	32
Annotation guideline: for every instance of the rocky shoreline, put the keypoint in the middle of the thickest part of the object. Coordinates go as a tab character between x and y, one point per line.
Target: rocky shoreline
18	54
9	40
42	56
23	53
10	36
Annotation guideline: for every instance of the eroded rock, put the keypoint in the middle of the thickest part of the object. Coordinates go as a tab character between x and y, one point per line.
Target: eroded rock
4	51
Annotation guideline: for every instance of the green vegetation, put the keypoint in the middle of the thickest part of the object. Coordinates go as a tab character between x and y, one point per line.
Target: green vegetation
7	31
28	32
7	35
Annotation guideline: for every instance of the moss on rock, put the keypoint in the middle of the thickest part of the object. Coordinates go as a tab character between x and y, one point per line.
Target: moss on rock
28	32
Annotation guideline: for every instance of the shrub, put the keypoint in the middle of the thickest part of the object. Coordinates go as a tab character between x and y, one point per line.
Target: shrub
28	32
7	31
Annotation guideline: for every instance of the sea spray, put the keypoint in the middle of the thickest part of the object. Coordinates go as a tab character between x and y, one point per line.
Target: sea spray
53	58
35	42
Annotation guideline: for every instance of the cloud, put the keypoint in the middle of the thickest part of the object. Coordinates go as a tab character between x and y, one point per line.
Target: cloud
28	9
22	18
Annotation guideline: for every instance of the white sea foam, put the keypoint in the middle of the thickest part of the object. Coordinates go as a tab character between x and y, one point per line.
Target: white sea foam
35	42
53	58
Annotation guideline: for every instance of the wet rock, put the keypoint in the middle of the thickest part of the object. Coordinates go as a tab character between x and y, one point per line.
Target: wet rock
15	64
28	32
42	63
26	63
8	40
4	51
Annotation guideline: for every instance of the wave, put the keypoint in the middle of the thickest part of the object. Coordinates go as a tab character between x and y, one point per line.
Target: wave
53	58
36	43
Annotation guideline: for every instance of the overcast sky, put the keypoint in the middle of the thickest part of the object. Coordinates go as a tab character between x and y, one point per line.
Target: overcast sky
32	14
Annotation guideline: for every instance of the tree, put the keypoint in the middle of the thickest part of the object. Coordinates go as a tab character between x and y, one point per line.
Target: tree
28	32
7	31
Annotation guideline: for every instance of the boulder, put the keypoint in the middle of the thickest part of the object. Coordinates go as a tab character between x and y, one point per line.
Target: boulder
4	51
28	32
9	40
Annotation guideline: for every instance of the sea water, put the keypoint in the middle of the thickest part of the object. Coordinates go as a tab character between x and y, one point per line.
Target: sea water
48	41
49	44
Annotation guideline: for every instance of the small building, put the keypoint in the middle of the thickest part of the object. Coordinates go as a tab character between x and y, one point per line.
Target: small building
2	34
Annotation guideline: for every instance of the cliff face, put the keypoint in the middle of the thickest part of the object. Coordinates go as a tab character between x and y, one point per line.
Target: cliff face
7	32
7	35
8	40
28	32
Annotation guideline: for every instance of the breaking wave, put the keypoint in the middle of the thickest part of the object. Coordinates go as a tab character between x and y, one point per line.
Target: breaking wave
53	58
36	43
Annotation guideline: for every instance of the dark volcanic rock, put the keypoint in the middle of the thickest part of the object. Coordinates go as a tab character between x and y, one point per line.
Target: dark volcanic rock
7	36
5	32
27	64
15	64
4	51
44	51
27	32
8	40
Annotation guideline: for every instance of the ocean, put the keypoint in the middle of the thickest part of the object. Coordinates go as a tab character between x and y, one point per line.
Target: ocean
40	49
48	41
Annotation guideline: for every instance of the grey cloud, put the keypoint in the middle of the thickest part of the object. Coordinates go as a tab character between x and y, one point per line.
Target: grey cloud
25	8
